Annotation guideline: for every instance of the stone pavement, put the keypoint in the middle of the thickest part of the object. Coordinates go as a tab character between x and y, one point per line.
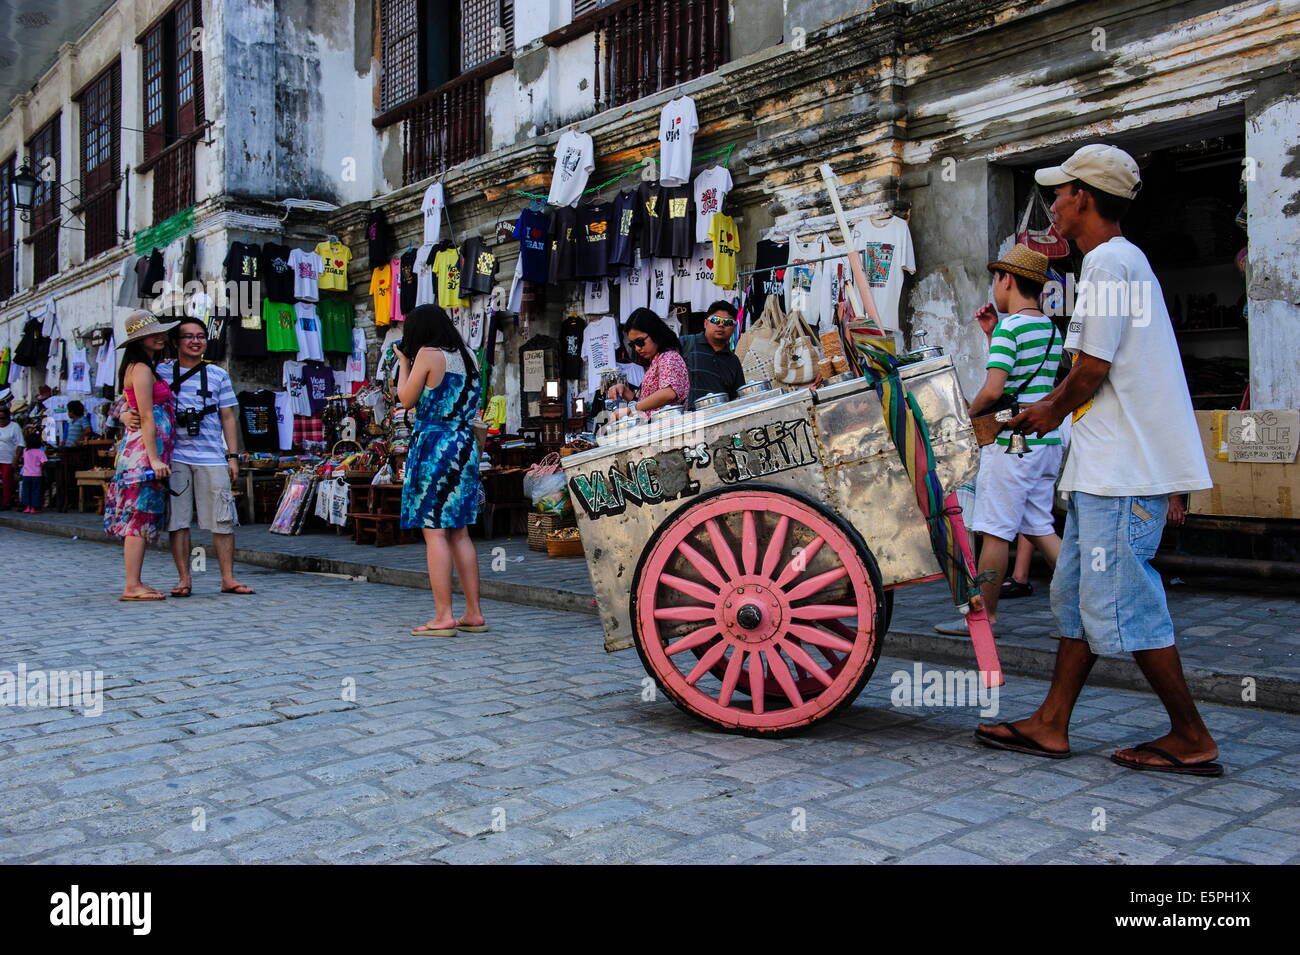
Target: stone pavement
230	733
1223	637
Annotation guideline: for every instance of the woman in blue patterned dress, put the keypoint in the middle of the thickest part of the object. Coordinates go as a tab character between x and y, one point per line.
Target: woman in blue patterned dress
437	377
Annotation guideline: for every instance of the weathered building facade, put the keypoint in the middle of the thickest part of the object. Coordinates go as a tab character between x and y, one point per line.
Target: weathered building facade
934	109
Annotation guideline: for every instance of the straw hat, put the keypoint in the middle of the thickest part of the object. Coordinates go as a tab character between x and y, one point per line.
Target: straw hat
1023	261
141	324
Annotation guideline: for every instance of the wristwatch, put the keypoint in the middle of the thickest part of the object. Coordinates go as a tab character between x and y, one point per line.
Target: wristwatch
232	457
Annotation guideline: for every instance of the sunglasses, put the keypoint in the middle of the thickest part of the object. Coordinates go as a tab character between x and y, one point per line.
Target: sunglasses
725	322
637	342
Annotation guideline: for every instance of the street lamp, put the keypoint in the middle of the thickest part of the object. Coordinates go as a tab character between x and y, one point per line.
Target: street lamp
24	187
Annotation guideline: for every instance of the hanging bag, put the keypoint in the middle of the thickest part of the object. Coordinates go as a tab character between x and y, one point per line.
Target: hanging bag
1049	241
757	346
797	353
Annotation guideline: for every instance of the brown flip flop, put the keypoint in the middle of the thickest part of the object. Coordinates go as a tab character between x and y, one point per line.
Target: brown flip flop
1207	767
1018	742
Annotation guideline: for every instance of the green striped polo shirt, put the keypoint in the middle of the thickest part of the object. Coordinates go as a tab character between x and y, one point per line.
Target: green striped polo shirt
1018	346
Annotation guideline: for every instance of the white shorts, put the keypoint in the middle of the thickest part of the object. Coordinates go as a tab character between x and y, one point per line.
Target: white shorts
204	489
1013	494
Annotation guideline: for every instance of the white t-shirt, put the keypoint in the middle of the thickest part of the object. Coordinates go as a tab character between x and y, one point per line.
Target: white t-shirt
633	288
683	280
575	158
478	319
106	365
309	339
677	127
711	188
431	209
703	292
599	343
659	281
805	285
887	251
424	288
1138	436
307	267
299	402
11	439
284	418
595	297
356	366
78	371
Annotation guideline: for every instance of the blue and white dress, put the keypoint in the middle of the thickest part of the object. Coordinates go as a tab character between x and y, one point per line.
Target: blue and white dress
442	486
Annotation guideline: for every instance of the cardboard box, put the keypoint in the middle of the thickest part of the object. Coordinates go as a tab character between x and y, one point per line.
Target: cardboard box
1241	489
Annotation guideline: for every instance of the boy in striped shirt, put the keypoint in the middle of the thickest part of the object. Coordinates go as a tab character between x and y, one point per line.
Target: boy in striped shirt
1013	493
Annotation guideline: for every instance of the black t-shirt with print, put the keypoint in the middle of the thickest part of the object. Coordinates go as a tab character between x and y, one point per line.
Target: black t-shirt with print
594	227
378	239
571	347
625	227
650	210
564	244
478	267
257	421
773	256
244	311
277	275
677	211
409	282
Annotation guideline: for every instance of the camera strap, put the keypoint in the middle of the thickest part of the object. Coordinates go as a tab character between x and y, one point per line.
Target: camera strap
201	369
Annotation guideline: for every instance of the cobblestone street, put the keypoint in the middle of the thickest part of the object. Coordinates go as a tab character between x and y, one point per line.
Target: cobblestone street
229	733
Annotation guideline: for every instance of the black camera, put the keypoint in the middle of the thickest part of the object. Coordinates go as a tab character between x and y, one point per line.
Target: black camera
192	419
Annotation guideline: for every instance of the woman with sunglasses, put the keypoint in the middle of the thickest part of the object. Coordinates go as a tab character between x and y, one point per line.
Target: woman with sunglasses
655	345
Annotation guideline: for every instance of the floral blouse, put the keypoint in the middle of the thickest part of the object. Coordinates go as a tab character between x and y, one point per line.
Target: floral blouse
667	370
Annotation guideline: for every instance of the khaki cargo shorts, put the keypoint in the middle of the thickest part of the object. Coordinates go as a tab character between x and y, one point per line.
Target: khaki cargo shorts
205	490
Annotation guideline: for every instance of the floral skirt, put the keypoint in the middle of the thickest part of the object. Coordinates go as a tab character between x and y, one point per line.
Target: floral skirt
442	487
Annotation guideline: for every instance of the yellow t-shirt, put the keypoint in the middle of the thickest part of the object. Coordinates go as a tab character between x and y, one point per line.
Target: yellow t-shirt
446	268
336	257
726	243
381	290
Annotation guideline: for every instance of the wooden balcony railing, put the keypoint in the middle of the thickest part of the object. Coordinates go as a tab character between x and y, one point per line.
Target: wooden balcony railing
443	128
99	213
646	46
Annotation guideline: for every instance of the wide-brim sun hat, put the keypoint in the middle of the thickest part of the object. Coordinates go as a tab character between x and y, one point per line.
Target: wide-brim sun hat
141	324
1023	261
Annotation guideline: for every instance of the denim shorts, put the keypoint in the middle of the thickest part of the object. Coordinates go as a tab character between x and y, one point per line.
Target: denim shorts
1104	589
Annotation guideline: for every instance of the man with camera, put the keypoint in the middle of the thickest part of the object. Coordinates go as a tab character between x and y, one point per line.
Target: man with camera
204	462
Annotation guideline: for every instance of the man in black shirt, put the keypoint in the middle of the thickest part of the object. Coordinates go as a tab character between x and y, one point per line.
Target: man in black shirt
711	363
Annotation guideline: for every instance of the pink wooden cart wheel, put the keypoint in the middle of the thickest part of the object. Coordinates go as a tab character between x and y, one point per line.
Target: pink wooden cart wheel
776	640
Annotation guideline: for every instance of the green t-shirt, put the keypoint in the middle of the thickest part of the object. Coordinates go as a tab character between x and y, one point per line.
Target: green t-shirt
336	317
281	326
1018	346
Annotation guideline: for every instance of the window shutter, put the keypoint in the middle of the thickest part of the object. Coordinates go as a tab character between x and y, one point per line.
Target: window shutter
399	33
155	92
199	114
183	38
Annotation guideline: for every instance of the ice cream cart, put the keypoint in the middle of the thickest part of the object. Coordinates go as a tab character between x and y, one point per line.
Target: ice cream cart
749	549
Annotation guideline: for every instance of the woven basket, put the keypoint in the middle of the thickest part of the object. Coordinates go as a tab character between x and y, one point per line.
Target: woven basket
568	547
539	525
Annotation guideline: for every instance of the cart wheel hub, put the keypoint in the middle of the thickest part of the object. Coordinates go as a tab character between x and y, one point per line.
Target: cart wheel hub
752	613
749	617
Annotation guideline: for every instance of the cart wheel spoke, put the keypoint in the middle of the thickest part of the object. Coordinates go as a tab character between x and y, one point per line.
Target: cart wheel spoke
820	639
814	584
775	546
748	542
684	613
693	639
732	676
722	550
796	653
691	589
756	681
713	655
778	669
800	561
823	611
702	564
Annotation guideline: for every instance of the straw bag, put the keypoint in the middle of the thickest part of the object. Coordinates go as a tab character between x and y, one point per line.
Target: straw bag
1049	241
757	346
797	353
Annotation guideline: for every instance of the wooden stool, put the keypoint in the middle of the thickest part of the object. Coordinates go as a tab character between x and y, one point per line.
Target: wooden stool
378	529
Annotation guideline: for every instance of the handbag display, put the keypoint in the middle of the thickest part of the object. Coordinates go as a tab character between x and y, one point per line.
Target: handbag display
1049	241
797	353
757	346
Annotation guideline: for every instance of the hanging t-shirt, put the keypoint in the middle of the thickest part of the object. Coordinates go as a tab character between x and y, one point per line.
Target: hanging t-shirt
650	210
804	281
600	341
678	211
155	273
336	318
678	124
105	366
319	380
378	239
683	281
478	267
395	299
593	240
431	209
307	268
571	338
704	291
625	225
564	245
726	243
446	268
277	273
425	281
284	420
78	372
771	256
356	366
281	326
633	287
248	335
534	247
476	323
595	297
838	275
887	251
381	292
243	268
408	286
296	386
659	284
575	158
257	421
710	190
336	257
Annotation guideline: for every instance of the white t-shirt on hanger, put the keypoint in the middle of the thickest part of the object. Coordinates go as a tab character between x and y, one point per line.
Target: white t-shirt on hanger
478	319
424	289
678	124
298	402
711	188
78	371
600	341
431	210
633	288
659	281
703	292
575	158
307	268
309	339
887	251
595	297
284	417
805	284
683	280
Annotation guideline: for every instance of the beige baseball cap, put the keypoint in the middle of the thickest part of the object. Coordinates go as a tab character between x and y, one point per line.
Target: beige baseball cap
1107	168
